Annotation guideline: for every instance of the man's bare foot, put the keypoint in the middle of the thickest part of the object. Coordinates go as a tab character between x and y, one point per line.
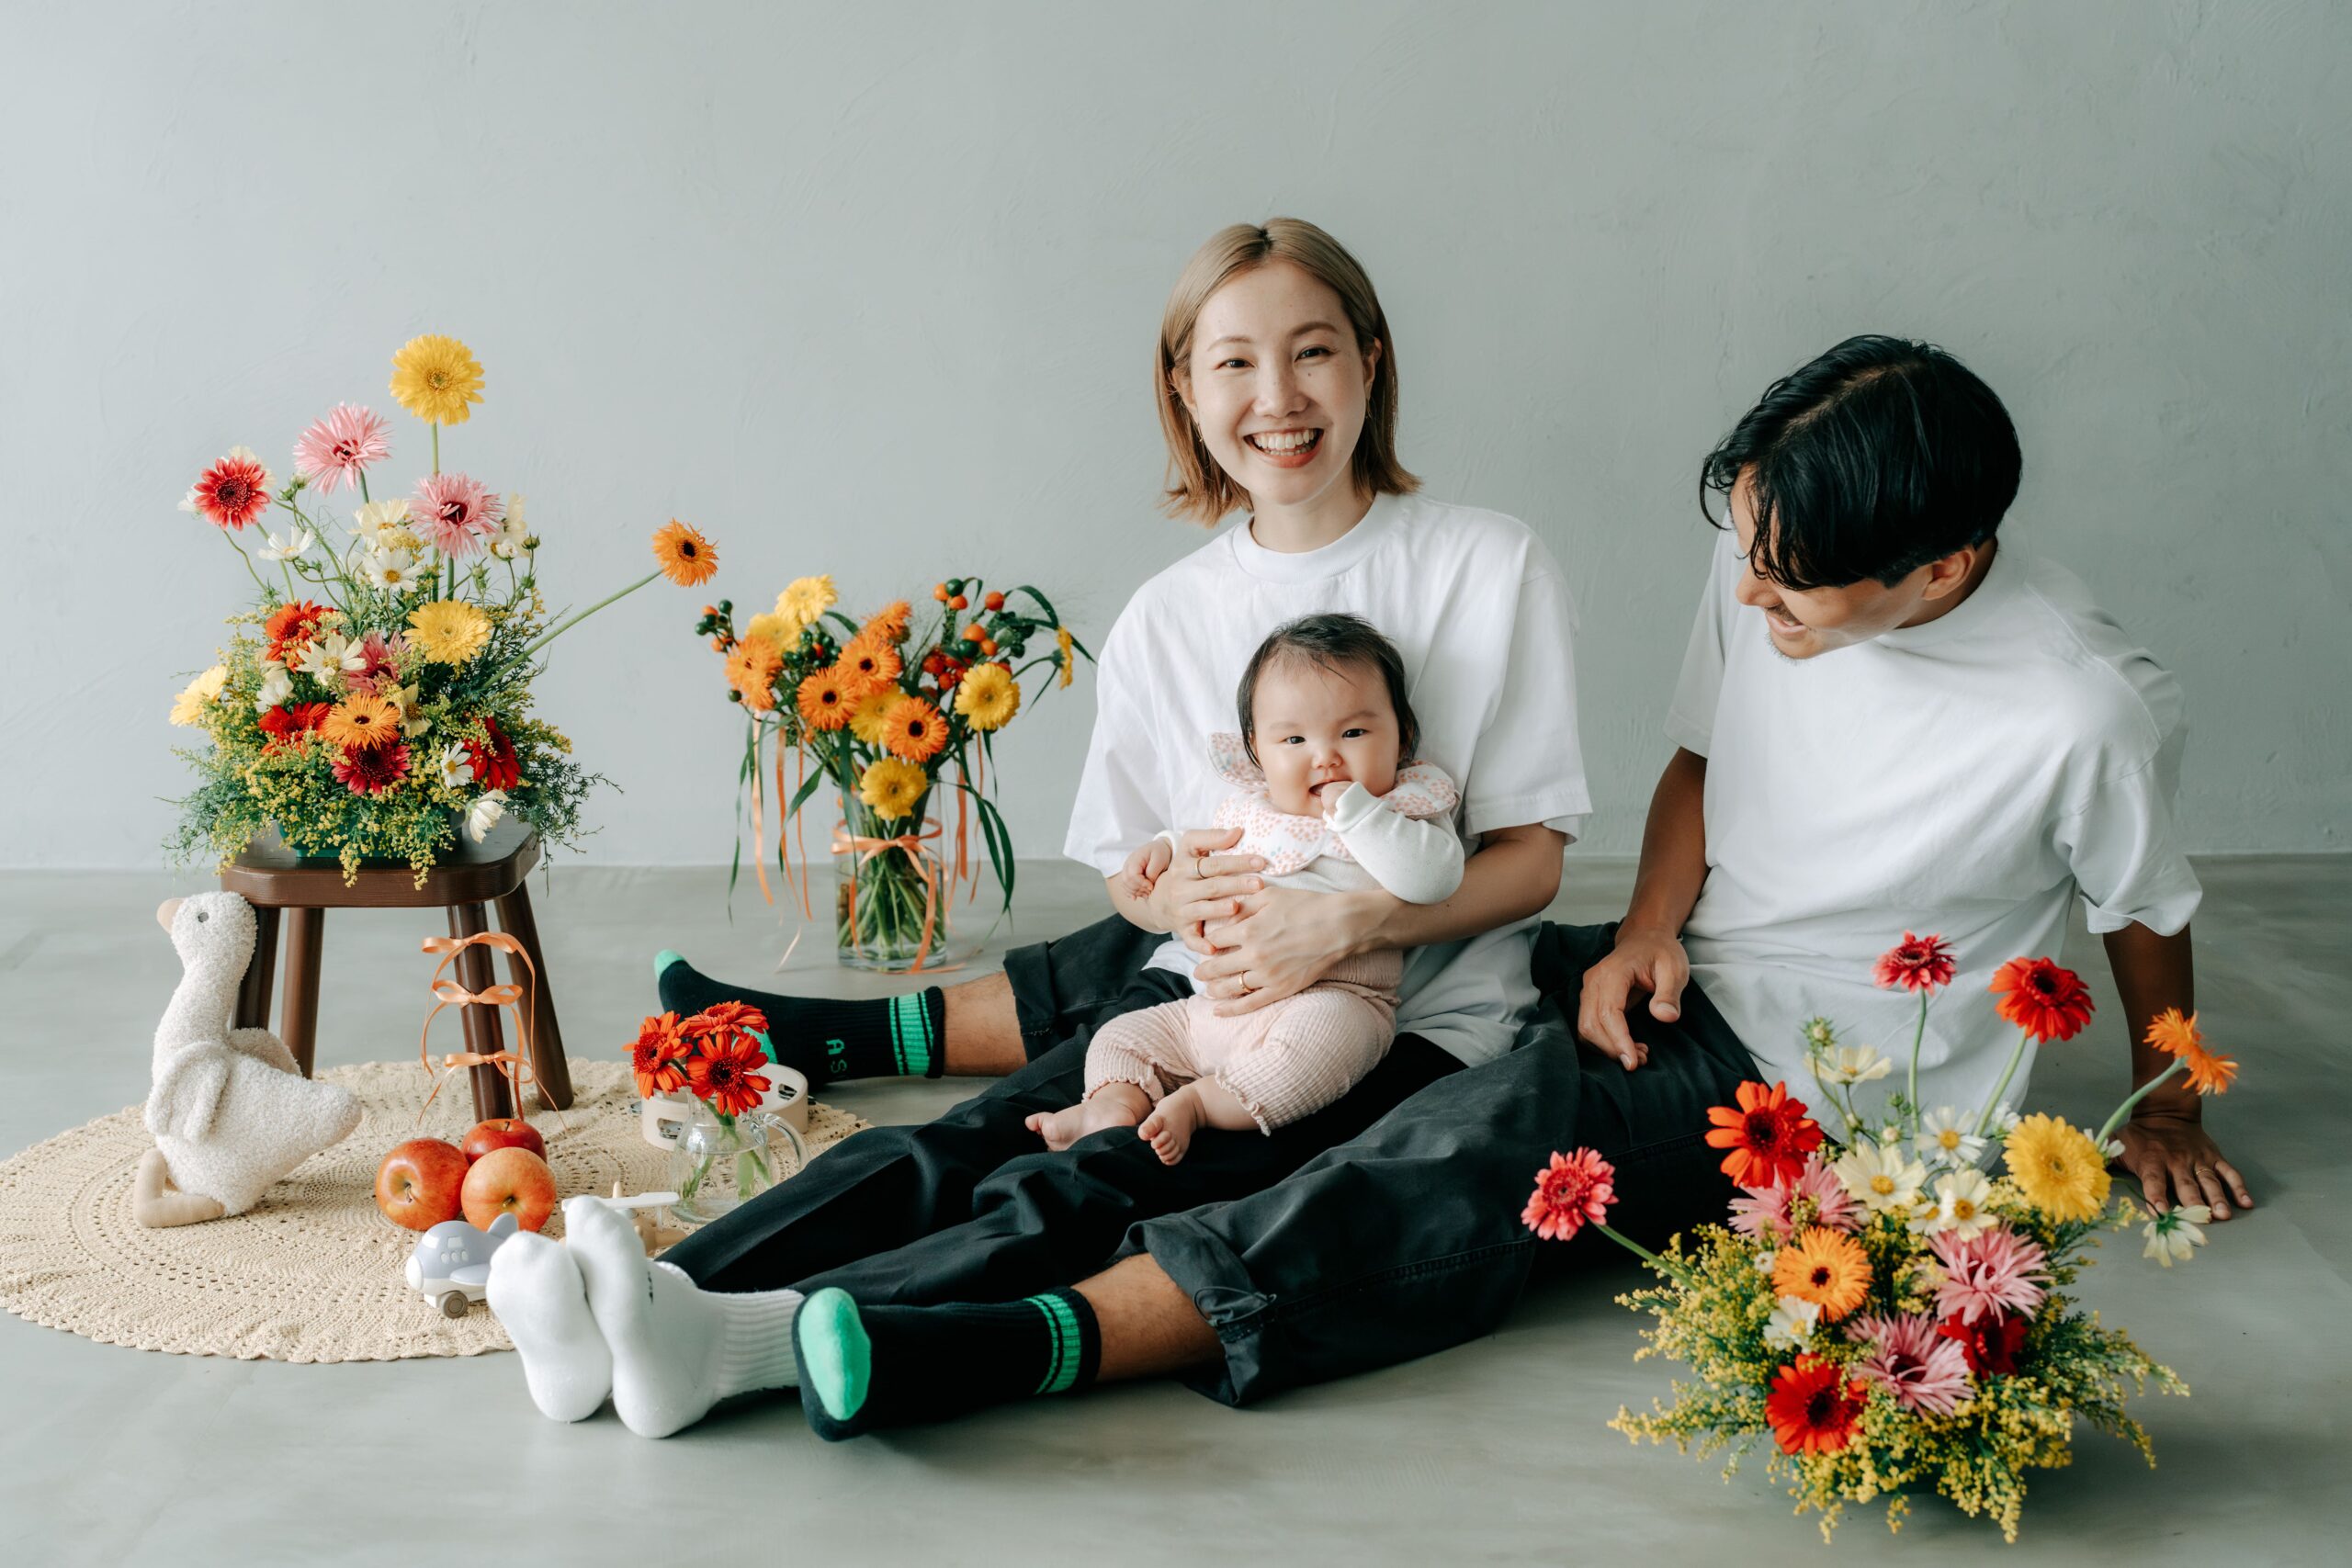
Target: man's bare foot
1169	1128
1113	1105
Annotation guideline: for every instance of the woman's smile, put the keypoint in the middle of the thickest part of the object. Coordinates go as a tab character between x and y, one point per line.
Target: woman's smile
1292	449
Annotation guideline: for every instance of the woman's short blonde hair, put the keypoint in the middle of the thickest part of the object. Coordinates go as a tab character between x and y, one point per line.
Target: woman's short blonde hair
1197	487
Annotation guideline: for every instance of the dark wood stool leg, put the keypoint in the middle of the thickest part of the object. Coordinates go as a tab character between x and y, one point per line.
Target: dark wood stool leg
547	1065
483	1036
252	993
305	945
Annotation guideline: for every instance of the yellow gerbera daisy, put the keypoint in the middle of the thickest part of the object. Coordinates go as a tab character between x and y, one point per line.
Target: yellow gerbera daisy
362	722
2057	1167
449	631
777	631
988	696
188	708
913	730
437	378
867	724
1825	1266
805	599
1064	641
893	788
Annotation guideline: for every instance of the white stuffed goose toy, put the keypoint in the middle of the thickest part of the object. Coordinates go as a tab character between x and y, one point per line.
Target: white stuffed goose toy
229	1110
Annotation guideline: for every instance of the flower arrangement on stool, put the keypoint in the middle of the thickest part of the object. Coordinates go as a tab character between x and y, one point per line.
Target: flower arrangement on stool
376	697
1879	1313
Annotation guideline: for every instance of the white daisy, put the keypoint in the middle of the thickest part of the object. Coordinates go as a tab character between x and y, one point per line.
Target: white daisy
484	815
287	550
457	767
390	571
1852	1064
1884	1181
511	530
375	519
277	686
331	656
1791	1322
2173	1235
1948	1138
1962	1205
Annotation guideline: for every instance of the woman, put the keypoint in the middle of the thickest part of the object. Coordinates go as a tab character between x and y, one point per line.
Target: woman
1278	393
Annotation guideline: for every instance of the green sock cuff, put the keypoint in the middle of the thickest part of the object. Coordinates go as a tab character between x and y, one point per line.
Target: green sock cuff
663	959
918	1020
836	1357
1077	1341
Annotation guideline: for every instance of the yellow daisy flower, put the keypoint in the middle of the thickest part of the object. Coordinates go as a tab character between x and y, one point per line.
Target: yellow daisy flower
2057	1167
1063	640
867	722
893	788
188	708
362	722
777	631
449	631
437	378
988	696
805	599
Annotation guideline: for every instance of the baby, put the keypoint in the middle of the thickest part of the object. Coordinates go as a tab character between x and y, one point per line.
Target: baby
1327	799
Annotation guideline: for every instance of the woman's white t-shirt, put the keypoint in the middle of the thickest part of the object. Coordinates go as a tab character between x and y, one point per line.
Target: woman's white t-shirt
1483	619
1967	778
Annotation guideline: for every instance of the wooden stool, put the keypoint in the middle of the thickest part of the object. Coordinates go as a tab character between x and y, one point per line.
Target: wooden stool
272	878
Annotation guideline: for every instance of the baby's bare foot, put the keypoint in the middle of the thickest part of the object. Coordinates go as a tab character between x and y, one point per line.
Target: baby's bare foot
1169	1128
1060	1129
1114	1105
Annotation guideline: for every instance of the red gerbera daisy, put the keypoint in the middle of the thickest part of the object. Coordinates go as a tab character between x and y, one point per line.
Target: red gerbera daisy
232	491
727	1018
1570	1191
724	1071
374	770
291	626
1916	963
1814	1408
1769	1135
2047	1002
658	1056
495	765
1991	1346
287	724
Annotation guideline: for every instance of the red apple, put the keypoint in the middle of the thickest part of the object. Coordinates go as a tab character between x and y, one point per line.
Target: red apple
509	1181
420	1183
503	1133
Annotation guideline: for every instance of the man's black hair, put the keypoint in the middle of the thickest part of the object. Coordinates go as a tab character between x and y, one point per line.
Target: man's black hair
1876	458
1330	642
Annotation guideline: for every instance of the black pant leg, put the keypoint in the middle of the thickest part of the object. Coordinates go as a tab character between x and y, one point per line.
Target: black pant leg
1080	981
1408	1239
1052	1218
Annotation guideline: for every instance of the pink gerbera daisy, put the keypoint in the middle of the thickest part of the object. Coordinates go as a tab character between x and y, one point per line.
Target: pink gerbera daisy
1915	963
372	771
456	512
1924	1371
380	651
1767	1211
232	491
336	451
1999	1271
1574	1190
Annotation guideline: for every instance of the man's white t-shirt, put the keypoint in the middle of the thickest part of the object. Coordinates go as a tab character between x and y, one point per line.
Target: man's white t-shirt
1965	778
1482	617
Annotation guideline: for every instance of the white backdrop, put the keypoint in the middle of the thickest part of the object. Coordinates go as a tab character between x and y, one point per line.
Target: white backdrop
873	291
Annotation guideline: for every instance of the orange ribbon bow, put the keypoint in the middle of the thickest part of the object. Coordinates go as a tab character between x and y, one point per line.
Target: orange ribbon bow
910	844
515	1066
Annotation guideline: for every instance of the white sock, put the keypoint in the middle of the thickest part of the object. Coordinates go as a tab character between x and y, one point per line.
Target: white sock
538	1294
677	1349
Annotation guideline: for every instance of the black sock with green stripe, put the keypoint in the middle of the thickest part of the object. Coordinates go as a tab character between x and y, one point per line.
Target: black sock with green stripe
821	1037
862	1368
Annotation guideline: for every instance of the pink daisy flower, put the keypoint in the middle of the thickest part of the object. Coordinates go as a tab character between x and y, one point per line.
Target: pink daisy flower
1924	1371
232	491
456	512
336	451
372	771
1571	1192
1766	1211
1999	1271
380	651
1915	963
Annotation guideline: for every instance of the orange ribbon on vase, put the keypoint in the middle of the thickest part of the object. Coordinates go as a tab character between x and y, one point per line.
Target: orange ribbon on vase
515	1066
910	845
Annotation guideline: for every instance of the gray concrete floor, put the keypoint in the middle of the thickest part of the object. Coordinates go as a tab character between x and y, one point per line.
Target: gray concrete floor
1495	1452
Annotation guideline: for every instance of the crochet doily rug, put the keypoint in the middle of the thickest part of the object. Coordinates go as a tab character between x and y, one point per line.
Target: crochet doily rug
312	1272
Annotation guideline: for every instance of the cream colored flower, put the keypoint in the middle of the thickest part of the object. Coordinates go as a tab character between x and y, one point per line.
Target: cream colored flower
487	809
188	708
1948	1138
2173	1237
377	518
1852	1064
331	656
512	533
411	706
277	686
1884	1181
1962	1205
1791	1322
457	767
276	549
390	571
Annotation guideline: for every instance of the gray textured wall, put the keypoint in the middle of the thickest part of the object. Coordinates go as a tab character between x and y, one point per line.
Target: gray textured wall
872	289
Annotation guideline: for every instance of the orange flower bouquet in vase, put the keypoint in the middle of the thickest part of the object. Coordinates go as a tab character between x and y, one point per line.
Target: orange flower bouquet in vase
890	716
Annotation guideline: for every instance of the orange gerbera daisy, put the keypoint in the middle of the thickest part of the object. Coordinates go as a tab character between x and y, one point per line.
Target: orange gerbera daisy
724	1070
658	1056
291	626
1769	1135
2039	997
890	623
2179	1036
869	663
825	699
724	1018
687	557
1814	1408
751	669
1824	1266
362	722
913	730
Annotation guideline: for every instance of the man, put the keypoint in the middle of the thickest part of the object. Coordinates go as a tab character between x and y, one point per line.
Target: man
1886	721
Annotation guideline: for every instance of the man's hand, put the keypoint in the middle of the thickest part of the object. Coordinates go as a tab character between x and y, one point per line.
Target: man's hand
1200	884
1285	940
1645	960
2176	1162
1142	873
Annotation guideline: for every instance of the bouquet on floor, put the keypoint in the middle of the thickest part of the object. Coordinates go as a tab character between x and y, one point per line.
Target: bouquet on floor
376	698
1879	1314
888	713
724	1156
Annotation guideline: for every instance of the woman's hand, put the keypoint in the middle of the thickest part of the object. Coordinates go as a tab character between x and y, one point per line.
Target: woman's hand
1200	884
1284	940
2177	1163
1643	960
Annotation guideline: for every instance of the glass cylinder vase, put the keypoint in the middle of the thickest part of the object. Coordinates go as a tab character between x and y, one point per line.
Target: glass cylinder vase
891	891
718	1163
